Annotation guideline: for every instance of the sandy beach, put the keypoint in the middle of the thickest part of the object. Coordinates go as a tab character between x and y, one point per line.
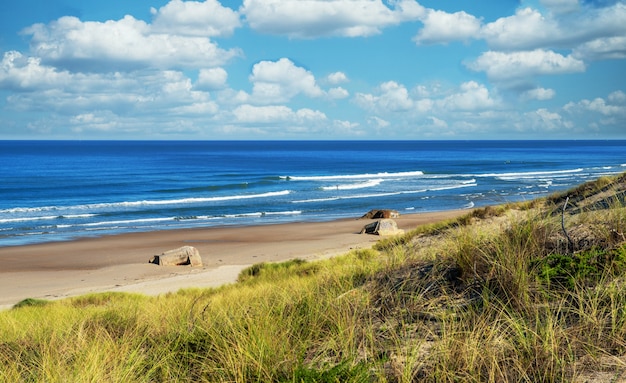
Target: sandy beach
120	263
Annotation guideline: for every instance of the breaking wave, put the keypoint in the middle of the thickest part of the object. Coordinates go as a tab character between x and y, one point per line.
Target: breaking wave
354	176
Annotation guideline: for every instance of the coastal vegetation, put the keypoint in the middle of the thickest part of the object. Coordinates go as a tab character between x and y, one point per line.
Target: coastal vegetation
522	292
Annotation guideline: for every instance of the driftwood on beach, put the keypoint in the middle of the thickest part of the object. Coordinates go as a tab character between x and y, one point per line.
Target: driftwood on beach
186	255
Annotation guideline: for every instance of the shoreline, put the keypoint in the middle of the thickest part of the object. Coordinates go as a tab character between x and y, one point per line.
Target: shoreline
57	270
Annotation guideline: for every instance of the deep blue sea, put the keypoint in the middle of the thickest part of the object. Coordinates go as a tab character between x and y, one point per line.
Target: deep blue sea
60	190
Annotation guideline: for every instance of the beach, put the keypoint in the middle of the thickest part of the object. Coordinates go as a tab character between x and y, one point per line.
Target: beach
59	270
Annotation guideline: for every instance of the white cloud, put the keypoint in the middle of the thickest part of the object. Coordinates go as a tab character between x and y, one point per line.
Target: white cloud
280	81
442	27
438	123
194	18
617	97
251	114
516	66
529	29
471	96
344	127
391	97
337	78
212	78
26	73
126	44
315	18
544	120
378	122
539	94
616	105
394	97
197	108
602	49
43	88
526	29
338	93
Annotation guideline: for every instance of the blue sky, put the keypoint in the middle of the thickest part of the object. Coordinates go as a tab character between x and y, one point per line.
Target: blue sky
313	69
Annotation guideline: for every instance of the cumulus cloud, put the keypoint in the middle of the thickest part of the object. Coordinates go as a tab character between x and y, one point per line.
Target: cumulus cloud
41	87
470	97
442	27
438	123
126	44
20	73
338	93
539	94
520	66
275	114
195	18
391	97
527	29
545	120
211	79
280	81
337	78
196	108
602	49
614	105
315	18
378	122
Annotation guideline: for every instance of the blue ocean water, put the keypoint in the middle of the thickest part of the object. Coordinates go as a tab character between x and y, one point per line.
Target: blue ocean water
60	190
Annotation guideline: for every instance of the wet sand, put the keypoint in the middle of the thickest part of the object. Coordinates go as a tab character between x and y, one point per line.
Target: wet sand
120	262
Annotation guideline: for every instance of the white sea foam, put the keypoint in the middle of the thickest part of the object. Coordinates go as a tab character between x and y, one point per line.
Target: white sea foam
360	185
451	187
354	176
121	223
518	175
130	204
45	218
128	221
355	196
263	214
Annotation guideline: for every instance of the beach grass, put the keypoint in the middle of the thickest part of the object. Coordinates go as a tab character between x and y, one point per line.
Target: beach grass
498	295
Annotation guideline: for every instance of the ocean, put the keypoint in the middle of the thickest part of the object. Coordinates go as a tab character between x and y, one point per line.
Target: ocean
63	190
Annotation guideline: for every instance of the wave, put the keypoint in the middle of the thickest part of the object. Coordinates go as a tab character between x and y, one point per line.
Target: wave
126	204
516	175
126	222
353	176
387	194
262	214
46	218
361	185
451	187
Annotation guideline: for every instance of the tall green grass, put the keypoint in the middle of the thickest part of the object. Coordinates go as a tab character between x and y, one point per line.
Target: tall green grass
490	297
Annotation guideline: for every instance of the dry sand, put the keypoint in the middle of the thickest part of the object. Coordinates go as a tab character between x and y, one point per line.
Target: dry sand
120	262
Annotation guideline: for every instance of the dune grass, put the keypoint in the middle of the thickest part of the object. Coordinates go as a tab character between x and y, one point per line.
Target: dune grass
492	297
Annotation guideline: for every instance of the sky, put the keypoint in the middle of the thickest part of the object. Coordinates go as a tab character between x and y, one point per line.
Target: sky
313	69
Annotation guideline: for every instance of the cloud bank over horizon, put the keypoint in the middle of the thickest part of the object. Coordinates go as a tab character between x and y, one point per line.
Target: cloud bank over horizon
313	69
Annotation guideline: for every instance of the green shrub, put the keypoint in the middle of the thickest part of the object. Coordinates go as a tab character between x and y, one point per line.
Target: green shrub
562	270
31	302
